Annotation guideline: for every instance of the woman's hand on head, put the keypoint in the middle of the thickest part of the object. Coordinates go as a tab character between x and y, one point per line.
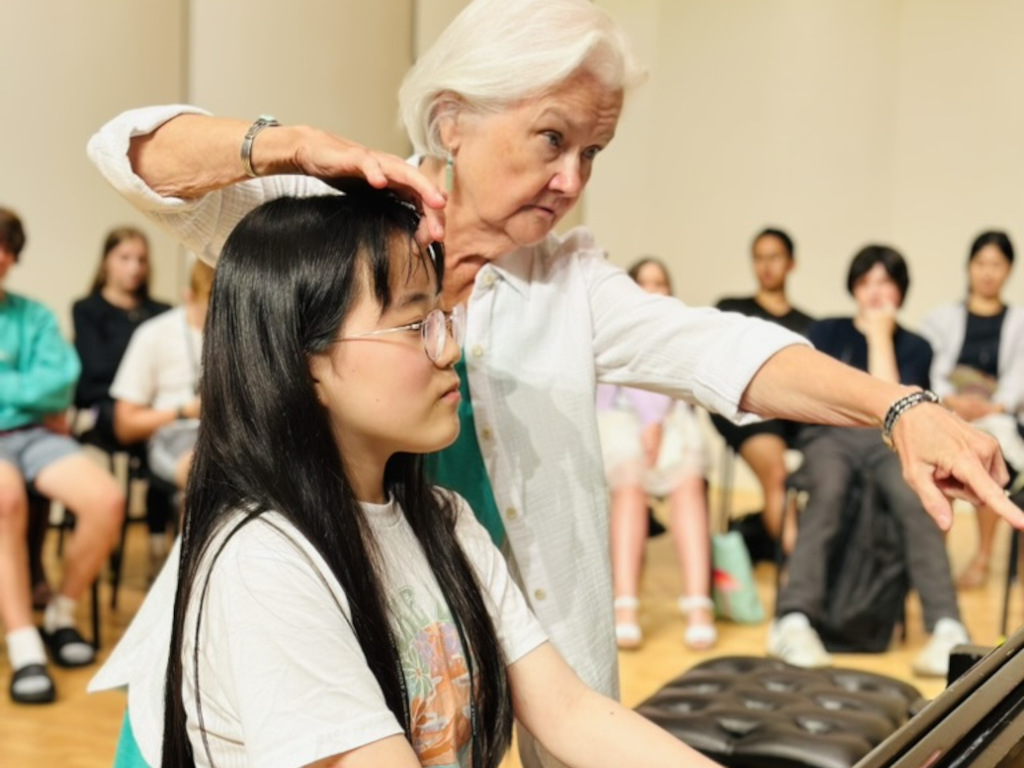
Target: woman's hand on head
945	458
335	159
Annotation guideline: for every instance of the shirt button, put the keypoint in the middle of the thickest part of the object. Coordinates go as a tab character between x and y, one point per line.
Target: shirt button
478	351
540	594
486	433
489	279
512	513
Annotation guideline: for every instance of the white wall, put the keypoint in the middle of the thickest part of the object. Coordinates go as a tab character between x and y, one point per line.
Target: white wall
335	64
68	67
884	120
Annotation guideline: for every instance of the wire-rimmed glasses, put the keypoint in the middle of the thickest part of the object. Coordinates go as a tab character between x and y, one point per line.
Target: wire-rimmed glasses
434	330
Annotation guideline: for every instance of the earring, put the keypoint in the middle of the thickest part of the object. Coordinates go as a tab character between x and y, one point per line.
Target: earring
449	171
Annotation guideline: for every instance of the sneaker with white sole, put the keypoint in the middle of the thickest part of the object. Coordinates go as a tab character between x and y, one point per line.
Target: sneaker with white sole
933	661
794	640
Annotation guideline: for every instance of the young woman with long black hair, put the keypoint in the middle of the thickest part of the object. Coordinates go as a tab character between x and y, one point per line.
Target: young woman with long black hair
331	607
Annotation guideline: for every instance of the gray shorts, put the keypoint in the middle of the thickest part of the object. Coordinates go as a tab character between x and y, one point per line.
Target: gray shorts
33	449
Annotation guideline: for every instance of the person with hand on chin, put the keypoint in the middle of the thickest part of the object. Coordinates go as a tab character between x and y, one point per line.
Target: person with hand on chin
836	458
508	113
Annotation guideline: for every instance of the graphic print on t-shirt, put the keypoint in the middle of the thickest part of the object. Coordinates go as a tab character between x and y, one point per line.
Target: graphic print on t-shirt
437	679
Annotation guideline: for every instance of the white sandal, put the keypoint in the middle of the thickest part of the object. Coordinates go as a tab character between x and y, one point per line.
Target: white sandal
628	635
699	637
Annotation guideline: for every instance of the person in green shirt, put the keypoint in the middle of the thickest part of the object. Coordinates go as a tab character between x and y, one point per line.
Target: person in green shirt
38	372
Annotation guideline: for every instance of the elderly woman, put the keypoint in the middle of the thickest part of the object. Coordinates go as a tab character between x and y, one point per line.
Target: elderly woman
507	113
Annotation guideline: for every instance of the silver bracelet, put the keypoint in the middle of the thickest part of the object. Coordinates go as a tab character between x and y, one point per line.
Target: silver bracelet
263	121
900	407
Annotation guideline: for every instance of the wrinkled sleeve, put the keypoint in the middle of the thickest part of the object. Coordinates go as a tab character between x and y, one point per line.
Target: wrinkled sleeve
201	224
659	343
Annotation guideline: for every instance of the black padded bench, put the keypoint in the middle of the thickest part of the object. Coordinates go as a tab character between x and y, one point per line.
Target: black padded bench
752	712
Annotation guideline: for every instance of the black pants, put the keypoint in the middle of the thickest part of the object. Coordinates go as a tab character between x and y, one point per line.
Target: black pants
832	456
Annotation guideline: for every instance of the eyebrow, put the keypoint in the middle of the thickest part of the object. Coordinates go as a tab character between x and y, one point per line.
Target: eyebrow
413	298
557	112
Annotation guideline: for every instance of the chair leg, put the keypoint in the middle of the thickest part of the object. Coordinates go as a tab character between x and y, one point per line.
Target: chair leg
1011	575
38	523
96	614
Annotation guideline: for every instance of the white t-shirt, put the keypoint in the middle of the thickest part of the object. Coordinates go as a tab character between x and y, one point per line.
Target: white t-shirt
282	678
160	367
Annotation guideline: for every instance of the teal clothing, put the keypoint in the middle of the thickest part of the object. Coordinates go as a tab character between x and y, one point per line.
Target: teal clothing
38	368
460	467
128	754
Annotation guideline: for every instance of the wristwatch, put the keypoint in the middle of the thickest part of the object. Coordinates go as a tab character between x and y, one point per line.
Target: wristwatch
263	121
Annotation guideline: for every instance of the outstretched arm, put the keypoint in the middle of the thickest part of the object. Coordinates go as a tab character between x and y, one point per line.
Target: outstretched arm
584	729
943	457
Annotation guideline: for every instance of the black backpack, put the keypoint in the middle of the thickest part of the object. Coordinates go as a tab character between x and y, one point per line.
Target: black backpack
866	578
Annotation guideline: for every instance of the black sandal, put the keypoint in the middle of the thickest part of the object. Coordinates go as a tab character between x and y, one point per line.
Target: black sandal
34	672
59	642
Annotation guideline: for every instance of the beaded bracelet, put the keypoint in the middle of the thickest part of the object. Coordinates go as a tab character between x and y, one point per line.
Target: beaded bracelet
900	407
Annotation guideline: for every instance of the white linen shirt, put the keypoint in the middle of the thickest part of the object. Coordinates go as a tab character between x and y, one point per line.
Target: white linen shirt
546	323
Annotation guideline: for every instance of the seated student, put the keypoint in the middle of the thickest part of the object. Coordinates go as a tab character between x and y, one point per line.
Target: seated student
978	368
331	607
652	445
105	319
38	369
872	341
763	445
156	386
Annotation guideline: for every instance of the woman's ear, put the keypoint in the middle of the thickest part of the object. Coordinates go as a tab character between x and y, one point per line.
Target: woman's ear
319	370
448	109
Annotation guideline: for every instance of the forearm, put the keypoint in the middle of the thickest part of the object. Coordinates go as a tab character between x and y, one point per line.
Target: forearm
582	728
37	391
191	155
882	363
801	384
134	423
601	733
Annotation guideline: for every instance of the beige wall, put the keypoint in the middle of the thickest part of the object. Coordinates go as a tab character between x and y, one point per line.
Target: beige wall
842	122
897	120
68	67
335	64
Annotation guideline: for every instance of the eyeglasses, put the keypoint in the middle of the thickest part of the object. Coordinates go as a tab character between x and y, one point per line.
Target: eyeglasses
434	330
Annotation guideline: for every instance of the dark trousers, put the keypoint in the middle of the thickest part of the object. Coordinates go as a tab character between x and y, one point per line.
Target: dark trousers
833	456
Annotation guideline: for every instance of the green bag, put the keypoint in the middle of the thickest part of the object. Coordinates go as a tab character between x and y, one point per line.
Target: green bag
732	580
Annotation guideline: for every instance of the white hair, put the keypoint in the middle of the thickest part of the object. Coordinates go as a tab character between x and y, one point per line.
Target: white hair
497	52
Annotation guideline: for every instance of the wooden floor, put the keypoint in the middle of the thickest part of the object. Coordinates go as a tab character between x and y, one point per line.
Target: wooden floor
80	731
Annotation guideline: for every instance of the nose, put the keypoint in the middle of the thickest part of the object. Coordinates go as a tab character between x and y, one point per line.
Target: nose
568	178
451	353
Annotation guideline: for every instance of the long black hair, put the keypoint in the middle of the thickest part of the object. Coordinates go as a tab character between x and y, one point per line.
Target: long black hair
288	276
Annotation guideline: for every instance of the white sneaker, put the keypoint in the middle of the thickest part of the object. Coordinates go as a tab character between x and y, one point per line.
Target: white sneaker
933	661
793	639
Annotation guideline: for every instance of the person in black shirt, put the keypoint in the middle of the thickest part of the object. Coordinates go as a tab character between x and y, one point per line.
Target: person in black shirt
105	320
871	341
763	445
